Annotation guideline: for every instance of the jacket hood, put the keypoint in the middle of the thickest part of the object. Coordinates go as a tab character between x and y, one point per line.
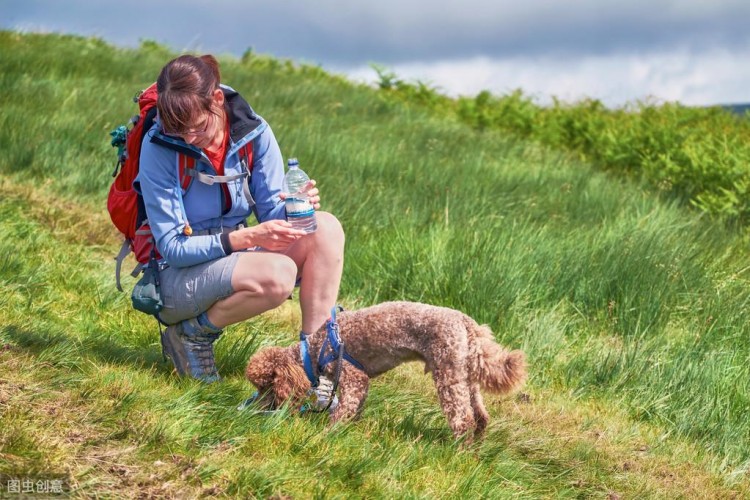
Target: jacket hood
242	118
242	122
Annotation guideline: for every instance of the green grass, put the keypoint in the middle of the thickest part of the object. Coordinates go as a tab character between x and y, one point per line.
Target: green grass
697	155
631	309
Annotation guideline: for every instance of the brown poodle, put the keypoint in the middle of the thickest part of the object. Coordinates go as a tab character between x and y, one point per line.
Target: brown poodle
461	355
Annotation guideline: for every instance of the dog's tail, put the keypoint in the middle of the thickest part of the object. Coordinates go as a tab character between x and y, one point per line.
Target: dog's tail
498	369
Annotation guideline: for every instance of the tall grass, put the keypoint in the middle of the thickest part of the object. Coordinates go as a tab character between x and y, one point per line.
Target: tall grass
630	308
698	156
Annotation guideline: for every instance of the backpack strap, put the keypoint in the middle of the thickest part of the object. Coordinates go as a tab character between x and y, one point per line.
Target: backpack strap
188	173
124	251
213	179
246	159
187	164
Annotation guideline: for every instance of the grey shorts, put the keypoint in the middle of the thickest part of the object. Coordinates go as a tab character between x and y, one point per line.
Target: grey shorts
189	291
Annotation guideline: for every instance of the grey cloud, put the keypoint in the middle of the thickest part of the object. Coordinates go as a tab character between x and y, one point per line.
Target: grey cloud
334	32
403	31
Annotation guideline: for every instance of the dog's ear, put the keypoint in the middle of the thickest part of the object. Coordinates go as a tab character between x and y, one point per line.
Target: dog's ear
261	367
290	381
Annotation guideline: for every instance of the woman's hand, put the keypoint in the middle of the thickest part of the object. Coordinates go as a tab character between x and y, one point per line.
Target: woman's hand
274	235
312	194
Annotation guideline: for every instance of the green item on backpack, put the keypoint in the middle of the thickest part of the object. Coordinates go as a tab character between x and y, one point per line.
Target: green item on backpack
146	295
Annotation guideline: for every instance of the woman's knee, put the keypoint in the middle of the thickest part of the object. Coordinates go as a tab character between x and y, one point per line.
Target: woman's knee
273	276
329	227
281	275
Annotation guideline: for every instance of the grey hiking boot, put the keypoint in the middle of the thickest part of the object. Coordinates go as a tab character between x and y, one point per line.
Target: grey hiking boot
190	347
319	397
317	400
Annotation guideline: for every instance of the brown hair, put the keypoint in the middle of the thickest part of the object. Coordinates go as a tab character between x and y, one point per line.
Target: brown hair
185	87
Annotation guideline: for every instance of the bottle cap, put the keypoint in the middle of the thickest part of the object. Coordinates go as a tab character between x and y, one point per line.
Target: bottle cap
292	162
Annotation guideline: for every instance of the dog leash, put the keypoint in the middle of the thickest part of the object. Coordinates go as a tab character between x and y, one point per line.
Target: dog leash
336	343
337	347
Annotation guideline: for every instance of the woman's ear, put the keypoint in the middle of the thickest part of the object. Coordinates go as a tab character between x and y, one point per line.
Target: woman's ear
218	97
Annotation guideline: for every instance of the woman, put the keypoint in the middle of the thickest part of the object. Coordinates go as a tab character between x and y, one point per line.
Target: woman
216	271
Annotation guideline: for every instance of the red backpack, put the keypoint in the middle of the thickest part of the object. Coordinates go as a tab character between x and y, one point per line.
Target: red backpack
125	204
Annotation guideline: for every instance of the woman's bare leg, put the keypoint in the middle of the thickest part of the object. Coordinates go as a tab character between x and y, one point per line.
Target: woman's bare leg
262	281
320	260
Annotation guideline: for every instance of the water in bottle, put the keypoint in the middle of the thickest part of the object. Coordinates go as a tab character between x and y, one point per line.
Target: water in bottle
299	211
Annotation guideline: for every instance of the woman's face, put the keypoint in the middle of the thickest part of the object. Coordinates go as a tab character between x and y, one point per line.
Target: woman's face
207	132
201	135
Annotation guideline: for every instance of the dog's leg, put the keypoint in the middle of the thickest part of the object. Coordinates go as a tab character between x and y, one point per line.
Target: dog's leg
481	417
453	392
353	392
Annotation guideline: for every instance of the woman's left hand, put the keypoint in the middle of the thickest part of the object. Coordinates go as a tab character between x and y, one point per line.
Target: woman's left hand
312	194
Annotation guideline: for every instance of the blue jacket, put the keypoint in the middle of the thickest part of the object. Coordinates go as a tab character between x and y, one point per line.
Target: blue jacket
169	209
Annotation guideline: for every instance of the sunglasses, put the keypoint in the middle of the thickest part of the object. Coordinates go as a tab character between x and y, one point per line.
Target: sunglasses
196	131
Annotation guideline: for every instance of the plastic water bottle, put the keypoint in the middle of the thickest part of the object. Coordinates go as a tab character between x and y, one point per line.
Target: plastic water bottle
299	211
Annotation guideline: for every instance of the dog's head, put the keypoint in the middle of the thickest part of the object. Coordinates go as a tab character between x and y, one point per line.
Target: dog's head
275	372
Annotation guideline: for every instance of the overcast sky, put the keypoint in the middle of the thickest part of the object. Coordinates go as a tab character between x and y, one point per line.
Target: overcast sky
691	51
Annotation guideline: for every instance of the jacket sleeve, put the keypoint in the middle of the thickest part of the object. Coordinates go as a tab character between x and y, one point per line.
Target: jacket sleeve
268	177
158	183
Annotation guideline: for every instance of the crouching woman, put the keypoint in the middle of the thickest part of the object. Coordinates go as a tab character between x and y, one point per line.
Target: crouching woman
206	165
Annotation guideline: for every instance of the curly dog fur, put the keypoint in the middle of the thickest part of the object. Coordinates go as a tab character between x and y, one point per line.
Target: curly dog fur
460	354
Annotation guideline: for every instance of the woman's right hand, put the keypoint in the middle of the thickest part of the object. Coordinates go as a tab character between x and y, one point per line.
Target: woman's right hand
274	235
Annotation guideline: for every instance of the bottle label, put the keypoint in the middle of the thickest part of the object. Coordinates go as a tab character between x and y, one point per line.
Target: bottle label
297	208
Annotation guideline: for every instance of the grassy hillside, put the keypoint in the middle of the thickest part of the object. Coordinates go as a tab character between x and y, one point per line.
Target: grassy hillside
697	155
631	308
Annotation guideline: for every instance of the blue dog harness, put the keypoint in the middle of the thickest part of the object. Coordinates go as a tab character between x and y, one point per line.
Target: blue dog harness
332	342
